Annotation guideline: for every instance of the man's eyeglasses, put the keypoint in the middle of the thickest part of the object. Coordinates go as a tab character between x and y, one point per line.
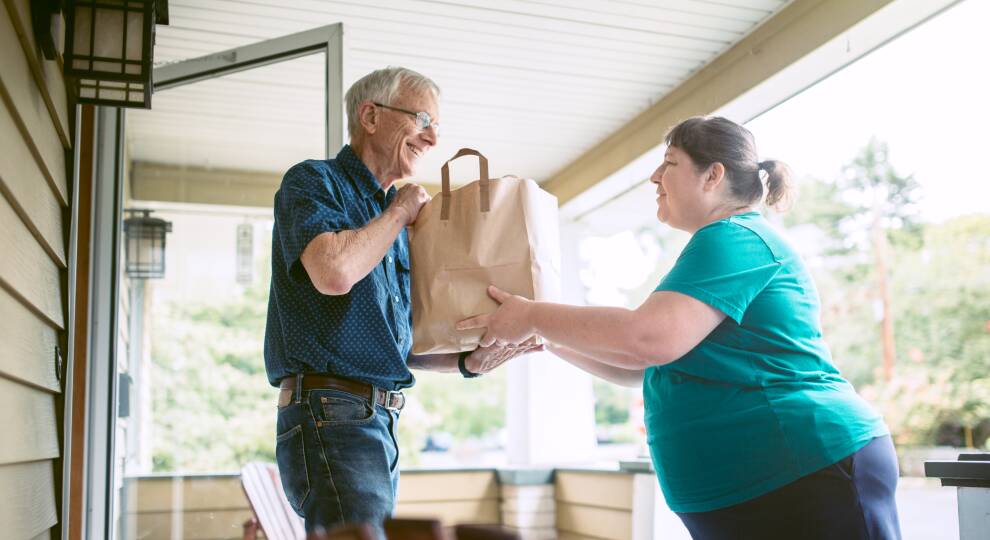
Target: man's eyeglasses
423	120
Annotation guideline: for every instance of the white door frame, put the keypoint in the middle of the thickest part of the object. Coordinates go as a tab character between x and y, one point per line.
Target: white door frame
101	407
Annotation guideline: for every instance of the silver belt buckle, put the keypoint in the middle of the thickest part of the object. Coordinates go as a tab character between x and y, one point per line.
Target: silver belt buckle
394	394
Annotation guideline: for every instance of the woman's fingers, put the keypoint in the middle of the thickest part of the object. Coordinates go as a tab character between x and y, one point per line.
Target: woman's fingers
498	295
479	321
487	340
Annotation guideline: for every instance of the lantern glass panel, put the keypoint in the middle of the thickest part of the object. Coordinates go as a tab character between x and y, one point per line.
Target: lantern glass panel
145	246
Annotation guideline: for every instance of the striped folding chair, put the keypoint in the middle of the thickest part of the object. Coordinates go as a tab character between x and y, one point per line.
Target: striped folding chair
272	513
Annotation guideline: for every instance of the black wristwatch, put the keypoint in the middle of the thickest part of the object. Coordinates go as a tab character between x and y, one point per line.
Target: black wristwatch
463	369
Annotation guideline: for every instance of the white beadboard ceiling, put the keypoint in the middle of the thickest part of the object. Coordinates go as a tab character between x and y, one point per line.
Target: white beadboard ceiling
532	84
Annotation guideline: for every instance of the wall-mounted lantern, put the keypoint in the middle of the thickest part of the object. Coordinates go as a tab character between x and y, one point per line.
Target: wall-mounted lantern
144	244
108	49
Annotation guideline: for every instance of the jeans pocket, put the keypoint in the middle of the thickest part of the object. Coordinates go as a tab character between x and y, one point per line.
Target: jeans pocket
342	408
290	454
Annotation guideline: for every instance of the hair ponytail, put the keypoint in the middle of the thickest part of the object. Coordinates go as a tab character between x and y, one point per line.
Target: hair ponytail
778	181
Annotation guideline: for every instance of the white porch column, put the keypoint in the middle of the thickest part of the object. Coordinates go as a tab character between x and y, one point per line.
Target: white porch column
551	407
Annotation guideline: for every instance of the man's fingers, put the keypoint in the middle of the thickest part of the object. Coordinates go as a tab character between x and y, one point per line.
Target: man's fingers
480	321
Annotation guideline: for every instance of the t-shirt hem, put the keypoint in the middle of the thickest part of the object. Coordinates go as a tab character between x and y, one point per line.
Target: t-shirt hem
780	480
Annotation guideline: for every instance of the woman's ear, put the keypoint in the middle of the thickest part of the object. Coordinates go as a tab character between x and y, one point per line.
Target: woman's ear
715	176
368	117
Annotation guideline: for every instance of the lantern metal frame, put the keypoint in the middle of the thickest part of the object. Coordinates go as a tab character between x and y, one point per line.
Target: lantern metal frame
140	227
124	81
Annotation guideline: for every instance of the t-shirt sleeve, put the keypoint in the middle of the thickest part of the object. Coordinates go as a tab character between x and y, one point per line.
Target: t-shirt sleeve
304	209
725	266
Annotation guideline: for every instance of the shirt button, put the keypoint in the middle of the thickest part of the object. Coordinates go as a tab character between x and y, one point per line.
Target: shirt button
389	259
396	298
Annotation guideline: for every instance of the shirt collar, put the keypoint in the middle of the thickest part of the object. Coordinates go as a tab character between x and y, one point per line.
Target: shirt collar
362	177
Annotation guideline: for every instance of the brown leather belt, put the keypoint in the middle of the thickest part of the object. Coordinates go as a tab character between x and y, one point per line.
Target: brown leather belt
393	401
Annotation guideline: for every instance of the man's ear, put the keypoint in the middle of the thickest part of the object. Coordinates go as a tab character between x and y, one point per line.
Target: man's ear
715	176
368	117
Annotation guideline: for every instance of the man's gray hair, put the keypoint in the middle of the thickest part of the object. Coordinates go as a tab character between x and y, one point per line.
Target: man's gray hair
382	85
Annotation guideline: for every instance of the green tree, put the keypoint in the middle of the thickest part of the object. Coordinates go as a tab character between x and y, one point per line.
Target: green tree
212	404
868	207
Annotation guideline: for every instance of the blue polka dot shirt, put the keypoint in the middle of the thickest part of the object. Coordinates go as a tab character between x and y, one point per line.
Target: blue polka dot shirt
365	334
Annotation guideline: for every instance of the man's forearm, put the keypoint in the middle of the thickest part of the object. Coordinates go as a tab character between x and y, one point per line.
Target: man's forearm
341	259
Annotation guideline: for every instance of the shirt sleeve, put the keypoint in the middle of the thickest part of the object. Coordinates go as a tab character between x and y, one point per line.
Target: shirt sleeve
725	266
304	208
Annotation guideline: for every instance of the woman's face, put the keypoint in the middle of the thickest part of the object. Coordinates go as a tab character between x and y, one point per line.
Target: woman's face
679	189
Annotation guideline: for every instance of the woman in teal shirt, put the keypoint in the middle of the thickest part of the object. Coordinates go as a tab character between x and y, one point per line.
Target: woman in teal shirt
752	430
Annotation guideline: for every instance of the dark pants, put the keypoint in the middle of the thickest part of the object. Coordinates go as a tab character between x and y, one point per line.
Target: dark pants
338	458
849	500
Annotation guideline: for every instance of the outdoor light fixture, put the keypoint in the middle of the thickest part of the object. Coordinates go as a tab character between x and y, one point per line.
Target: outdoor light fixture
144	248
108	49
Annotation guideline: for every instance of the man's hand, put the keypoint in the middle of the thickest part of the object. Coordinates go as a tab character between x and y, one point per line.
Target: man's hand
485	359
507	325
409	200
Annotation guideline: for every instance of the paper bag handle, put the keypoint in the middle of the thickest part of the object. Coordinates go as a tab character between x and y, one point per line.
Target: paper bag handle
445	182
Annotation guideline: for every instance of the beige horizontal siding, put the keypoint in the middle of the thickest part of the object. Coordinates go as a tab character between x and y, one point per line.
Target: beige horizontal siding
453	512
26	271
28	494
447	486
34	138
22	95
27	422
23	183
195	525
47	73
594	521
25	335
606	490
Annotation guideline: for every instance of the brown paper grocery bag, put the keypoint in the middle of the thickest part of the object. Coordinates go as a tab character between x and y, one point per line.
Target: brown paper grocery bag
501	231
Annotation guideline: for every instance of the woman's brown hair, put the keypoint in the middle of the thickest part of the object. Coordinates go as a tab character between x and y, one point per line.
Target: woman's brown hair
712	139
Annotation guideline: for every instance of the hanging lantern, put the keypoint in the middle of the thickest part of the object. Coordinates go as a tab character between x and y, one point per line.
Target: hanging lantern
144	248
108	49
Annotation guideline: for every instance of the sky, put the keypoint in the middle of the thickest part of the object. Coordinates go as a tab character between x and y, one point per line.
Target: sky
926	93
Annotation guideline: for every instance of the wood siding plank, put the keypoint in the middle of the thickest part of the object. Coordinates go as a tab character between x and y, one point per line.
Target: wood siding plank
26	271
452	512
592	521
23	97
23	183
606	490
28	351
27	421
444	486
225	524
28	494
198	493
47	73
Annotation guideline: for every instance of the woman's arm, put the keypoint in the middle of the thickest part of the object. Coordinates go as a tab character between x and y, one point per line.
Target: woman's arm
664	328
612	374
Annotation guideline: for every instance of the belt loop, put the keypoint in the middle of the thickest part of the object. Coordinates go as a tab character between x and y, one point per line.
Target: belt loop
299	388
374	396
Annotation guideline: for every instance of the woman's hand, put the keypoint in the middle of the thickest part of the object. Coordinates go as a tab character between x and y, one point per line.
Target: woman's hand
485	359
510	324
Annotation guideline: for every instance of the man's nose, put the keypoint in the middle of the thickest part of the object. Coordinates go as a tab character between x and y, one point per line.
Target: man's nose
429	135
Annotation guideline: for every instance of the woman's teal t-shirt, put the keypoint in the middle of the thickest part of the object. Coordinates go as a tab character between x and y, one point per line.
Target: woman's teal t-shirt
757	404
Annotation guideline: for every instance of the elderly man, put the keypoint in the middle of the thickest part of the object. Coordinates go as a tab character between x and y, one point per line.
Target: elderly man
338	336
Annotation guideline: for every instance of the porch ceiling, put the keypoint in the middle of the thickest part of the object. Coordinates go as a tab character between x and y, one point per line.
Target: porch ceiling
532	84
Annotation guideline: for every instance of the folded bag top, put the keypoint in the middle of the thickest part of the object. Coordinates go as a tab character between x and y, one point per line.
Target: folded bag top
501	231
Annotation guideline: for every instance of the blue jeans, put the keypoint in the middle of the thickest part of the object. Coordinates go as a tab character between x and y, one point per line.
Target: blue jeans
852	499
338	458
